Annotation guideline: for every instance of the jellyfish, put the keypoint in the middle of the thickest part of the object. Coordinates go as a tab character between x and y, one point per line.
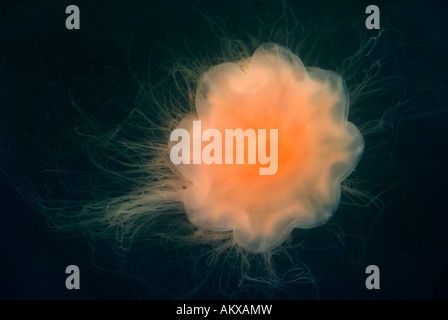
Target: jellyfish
315	148
231	167
263	151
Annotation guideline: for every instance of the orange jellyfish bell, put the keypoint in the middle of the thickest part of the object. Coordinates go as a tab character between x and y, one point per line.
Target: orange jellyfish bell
267	112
